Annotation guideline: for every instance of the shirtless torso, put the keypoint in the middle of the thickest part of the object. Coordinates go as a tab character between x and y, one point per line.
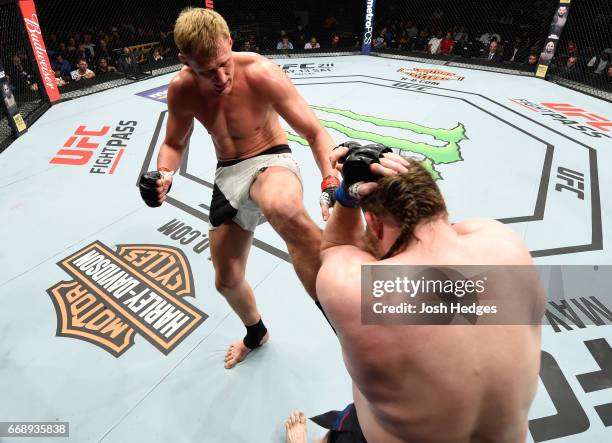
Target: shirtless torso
437	383
238	97
242	123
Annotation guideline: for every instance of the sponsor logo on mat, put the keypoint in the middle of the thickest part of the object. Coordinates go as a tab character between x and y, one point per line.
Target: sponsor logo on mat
112	295
430	75
101	149
572	116
159	94
305	69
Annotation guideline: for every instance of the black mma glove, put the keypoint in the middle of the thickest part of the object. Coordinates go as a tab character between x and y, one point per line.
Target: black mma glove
356	163
148	186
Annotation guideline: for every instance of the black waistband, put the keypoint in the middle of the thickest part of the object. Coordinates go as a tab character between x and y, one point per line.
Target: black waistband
279	149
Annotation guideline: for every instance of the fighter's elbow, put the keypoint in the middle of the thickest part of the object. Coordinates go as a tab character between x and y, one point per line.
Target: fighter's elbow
311	137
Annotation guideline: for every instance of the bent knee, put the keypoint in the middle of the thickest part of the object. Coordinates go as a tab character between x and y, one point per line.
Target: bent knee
228	280
288	217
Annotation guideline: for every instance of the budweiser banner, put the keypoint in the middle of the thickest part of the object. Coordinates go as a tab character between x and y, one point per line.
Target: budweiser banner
30	20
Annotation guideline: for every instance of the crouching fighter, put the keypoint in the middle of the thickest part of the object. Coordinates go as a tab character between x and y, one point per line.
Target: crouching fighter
454	383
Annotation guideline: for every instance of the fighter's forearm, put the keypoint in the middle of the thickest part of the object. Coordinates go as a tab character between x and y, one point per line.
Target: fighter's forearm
344	227
322	145
169	157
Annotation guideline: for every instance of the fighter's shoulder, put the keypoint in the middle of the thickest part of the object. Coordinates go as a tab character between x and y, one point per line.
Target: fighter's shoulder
181	90
258	68
341	263
182	82
508	246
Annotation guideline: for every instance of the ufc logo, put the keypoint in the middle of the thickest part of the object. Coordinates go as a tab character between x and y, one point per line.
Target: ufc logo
81	147
574	182
593	120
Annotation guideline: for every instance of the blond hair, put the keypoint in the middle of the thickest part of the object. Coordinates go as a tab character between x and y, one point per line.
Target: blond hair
199	31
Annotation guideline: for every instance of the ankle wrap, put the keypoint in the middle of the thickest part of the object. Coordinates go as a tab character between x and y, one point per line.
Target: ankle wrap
255	333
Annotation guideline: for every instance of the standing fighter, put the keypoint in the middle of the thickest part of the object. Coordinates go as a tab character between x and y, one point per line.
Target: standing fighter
423	383
238	97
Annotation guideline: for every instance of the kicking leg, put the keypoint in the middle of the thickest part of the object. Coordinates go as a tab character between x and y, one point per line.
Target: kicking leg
278	193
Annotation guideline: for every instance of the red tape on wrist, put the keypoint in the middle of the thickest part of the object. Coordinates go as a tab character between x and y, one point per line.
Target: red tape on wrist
329	181
164	169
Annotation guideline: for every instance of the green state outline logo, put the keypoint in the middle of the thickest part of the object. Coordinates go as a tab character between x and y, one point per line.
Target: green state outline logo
434	155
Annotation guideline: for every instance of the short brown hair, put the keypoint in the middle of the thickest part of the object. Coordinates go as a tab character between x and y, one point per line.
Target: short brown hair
405	200
199	31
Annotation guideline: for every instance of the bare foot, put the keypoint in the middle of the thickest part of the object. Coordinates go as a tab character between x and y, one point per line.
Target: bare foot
296	428
238	352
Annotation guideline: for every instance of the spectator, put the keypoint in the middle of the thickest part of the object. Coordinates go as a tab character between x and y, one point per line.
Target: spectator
572	49
570	69
71	51
128	64
103	51
335	42
300	37
447	45
389	36
598	64
461	36
62	66
62	50
379	42
20	77
420	43
284	44
433	46
165	44
253	42
157	57
404	41
312	44
83	53
412	30
89	44
83	71
609	74
515	52
533	60
492	54
104	67
114	41
246	46
486	38
51	43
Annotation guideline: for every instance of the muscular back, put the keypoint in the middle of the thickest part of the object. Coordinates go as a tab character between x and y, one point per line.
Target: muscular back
242	123
439	383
